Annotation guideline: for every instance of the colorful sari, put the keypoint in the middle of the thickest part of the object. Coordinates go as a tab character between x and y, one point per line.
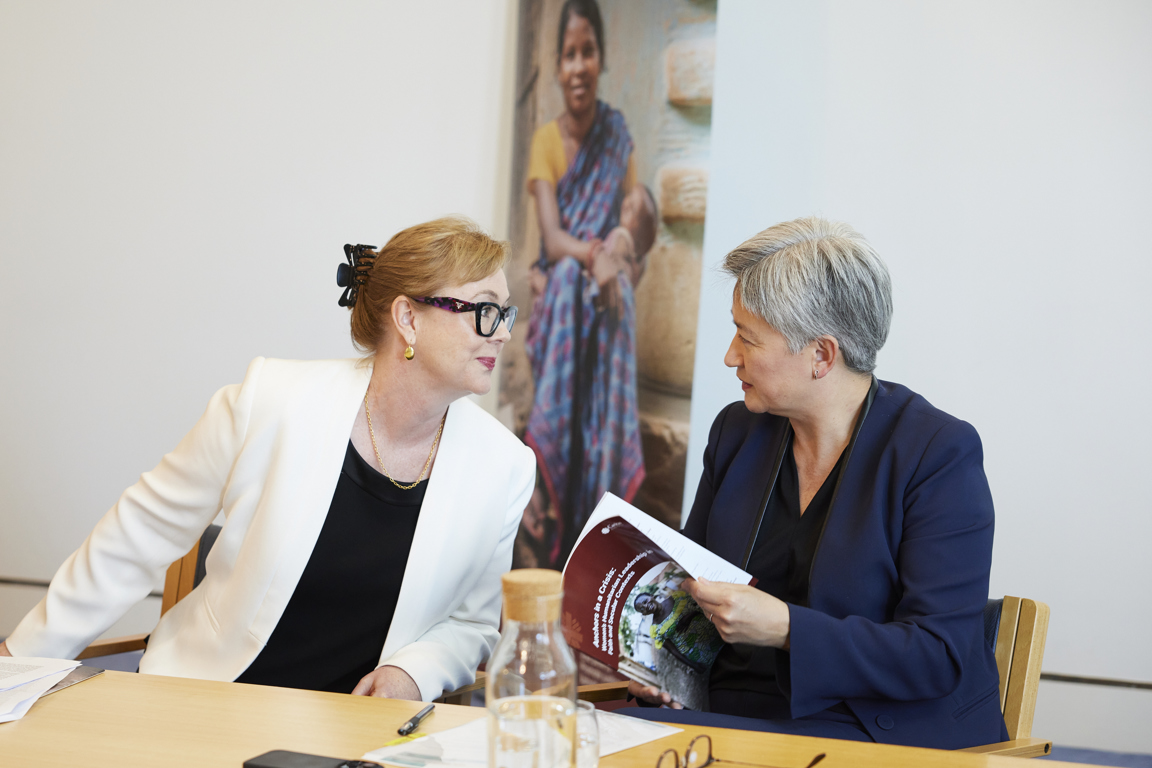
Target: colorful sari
585	425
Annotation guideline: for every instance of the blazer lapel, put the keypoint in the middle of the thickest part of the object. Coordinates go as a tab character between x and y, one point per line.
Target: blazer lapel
745	490
445	534
301	484
864	436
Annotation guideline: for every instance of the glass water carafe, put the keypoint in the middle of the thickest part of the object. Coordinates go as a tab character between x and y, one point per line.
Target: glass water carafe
531	687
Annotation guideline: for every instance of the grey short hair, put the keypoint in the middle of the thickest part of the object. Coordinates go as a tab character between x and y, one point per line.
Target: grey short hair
812	277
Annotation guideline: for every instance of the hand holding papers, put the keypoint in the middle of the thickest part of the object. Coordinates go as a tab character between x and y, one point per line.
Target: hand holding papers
624	604
25	679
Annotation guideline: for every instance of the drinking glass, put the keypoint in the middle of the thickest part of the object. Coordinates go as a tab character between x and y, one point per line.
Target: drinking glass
587	736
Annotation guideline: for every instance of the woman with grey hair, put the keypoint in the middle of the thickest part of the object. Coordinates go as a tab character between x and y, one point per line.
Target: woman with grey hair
862	510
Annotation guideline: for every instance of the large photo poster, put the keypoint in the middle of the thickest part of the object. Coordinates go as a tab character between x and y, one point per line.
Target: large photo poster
610	174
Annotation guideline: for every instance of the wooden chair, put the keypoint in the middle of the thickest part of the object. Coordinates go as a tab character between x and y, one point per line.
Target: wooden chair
1016	629
1021	628
183	575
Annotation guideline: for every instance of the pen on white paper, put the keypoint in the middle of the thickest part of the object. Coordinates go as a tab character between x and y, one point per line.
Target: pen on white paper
467	745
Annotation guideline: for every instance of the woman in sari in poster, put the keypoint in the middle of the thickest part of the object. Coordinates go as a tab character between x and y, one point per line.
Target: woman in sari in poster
596	225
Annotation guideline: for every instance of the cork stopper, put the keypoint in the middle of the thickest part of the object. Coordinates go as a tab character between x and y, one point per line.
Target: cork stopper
532	594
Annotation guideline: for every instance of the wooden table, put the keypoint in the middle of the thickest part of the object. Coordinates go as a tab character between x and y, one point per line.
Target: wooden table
123	720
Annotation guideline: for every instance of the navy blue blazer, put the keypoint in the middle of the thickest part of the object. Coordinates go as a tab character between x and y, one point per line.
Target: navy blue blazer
894	621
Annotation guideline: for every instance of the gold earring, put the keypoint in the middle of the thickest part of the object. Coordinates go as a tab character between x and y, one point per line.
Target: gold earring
409	353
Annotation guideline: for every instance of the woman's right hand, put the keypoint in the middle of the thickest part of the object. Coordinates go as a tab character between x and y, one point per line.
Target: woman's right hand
4	649
604	267
652	695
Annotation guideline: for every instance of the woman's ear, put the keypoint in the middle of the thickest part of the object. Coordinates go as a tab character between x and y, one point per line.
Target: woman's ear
826	354
404	318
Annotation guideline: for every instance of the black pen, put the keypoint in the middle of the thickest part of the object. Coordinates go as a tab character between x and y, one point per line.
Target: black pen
414	723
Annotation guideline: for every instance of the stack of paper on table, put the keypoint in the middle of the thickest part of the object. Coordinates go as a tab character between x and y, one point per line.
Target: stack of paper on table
23	679
467	745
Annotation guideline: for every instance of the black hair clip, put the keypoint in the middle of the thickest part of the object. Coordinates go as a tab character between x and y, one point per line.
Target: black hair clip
354	274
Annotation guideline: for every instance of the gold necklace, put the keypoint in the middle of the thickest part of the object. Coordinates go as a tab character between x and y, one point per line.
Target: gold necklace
427	464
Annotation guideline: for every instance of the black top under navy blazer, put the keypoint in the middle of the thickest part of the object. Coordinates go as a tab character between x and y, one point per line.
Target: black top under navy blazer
893	625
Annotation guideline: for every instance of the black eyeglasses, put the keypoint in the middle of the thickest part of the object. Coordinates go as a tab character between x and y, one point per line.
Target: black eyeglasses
699	755
488	313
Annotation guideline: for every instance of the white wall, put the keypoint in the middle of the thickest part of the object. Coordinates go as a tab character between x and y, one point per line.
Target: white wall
997	154
177	181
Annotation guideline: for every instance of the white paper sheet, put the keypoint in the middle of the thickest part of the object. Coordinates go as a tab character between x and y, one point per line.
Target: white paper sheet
620	732
15	702
692	557
467	745
18	670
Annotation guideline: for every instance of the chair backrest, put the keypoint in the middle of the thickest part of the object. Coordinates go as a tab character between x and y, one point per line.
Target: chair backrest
184	574
1016	628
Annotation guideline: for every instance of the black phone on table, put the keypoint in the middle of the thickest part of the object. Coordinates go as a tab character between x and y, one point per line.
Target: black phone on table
282	758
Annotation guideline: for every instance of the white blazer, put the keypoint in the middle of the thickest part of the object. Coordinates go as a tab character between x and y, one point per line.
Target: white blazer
268	453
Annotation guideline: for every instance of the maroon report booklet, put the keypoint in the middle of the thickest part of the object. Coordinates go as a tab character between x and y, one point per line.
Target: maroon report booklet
625	605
